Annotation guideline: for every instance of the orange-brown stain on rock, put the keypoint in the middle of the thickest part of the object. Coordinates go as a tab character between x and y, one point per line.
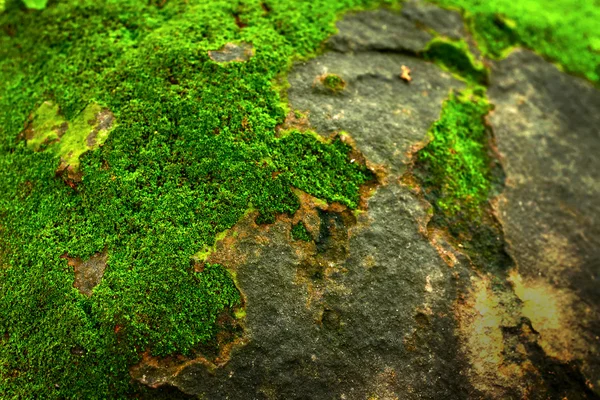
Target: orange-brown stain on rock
481	315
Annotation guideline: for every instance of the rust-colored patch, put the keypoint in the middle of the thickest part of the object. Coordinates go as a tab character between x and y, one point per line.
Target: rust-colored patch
295	120
88	273
70	175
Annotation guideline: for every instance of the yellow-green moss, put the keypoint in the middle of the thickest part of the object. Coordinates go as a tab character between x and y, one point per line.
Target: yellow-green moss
455	56
68	140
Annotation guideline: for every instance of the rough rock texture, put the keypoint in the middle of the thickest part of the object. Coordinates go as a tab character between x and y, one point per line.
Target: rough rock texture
372	318
444	22
547	128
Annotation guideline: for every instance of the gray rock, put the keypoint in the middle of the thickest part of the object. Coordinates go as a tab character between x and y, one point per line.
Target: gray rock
379	30
350	317
547	127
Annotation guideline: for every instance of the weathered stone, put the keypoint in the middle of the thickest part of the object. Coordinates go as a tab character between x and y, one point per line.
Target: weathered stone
547	127
385	115
379	30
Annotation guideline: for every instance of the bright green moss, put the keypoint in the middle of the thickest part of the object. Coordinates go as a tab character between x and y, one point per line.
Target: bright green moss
495	35
563	30
334	82
455	165
456	57
45	126
194	148
299	232
35	4
459	174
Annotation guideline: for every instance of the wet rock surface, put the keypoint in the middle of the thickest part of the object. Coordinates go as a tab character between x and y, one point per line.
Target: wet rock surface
377	306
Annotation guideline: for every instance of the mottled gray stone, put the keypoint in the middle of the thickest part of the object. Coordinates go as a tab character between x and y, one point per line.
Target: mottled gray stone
378	30
547	127
351	342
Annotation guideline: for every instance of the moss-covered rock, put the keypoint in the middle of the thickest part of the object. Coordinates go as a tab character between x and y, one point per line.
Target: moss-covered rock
155	164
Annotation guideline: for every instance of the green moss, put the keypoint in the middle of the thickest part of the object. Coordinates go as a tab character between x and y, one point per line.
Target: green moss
334	82
45	126
456	57
455	165
495	35
459	175
68	140
194	148
35	4
299	232
565	31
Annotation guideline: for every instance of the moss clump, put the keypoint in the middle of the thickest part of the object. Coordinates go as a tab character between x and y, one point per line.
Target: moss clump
334	82
459	174
495	34
299	232
456	57
563	30
194	148
455	165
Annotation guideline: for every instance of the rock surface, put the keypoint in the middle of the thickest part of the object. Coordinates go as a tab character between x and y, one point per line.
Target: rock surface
547	129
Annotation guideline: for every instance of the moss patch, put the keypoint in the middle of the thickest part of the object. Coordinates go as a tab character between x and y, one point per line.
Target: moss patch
456	57
459	174
495	34
333	82
194	148
456	164
565	31
299	232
